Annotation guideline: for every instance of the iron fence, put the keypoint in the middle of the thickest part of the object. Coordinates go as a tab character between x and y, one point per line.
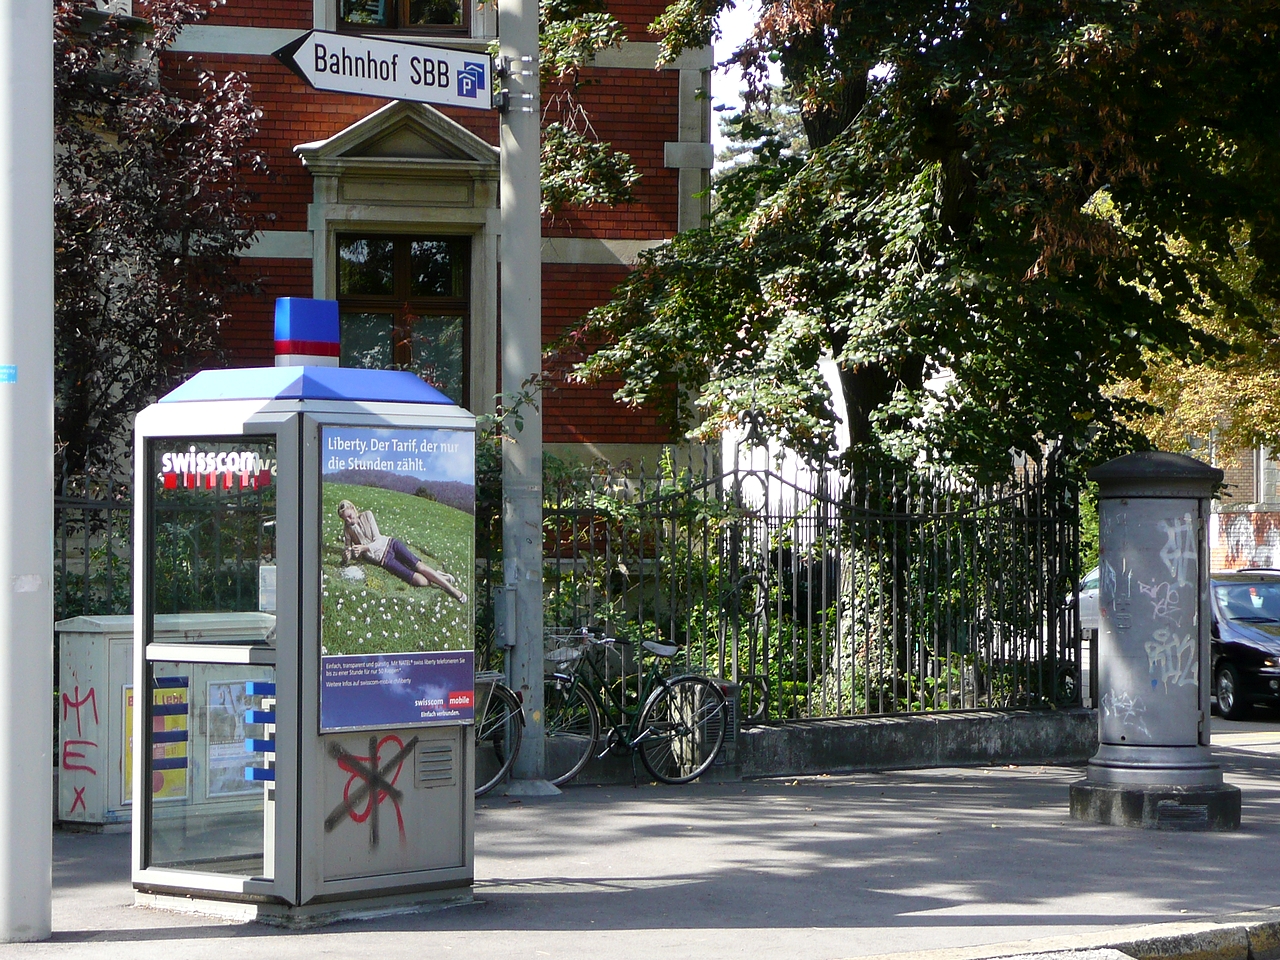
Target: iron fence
92	547
827	596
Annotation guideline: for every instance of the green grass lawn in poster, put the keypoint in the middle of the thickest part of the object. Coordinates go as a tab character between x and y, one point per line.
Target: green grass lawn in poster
379	613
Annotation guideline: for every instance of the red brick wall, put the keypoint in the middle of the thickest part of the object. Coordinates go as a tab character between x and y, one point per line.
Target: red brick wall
250	334
1238	475
573	413
284	14
637	112
636	15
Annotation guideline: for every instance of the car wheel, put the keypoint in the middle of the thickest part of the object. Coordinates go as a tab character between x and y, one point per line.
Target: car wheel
1231	703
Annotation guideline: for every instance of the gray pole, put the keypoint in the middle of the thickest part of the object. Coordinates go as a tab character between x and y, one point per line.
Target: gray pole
520	253
26	469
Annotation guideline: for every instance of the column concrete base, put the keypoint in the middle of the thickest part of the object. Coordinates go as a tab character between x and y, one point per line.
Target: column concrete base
531	788
1213	807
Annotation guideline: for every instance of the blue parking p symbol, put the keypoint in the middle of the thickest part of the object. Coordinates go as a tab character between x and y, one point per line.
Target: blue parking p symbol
470	79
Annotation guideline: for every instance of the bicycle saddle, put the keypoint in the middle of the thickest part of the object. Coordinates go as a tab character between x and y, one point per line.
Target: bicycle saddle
661	649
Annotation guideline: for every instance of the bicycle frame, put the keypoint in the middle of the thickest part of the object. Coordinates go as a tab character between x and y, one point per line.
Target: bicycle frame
620	719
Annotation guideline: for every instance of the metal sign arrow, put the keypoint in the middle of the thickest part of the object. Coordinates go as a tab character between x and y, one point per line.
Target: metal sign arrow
391	69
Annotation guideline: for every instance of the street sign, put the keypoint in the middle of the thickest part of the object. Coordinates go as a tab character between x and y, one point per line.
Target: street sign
393	69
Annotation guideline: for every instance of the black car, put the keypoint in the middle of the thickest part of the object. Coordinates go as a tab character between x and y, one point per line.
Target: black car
1246	639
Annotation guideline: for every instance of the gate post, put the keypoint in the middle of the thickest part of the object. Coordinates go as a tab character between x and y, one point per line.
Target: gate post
1153	767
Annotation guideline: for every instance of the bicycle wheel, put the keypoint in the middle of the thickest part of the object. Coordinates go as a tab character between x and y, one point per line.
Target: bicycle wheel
498	735
572	728
682	729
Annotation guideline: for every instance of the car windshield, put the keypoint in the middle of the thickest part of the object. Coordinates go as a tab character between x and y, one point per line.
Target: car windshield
1249	602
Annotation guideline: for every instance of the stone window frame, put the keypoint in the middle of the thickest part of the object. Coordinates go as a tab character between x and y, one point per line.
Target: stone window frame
482	28
412	196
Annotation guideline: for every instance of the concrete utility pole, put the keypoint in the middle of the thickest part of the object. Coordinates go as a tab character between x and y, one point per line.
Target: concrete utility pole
26	469
520	253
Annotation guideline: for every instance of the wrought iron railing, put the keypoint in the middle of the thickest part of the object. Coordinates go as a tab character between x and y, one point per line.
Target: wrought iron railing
92	547
828	596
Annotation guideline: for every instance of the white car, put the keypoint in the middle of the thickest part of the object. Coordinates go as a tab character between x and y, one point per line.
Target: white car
1089	601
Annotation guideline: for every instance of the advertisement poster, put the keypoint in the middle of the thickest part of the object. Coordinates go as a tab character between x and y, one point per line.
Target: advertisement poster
227	759
386	690
169	734
397	567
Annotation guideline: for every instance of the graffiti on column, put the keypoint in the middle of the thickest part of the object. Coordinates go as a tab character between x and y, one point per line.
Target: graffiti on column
1125	708
1179	553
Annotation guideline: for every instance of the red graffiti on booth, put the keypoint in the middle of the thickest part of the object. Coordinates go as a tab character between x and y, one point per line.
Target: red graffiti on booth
377	782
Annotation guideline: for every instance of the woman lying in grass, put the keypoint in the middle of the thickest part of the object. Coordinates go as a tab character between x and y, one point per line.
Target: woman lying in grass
365	542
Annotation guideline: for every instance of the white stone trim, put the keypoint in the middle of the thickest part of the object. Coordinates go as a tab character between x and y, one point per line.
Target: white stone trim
592	250
242	41
638	55
687	156
281	245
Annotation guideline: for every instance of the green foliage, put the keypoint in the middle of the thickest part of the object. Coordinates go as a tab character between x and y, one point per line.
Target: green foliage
578	170
569	44
100	584
208	549
1004	211
1088	527
1231	396
381	613
941	603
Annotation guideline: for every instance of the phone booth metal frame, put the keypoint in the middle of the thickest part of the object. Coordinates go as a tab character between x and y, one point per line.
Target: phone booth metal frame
341	830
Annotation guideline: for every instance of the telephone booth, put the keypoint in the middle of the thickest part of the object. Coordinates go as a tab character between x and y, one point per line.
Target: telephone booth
317	762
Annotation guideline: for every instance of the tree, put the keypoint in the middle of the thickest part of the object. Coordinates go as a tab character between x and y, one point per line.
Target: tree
1007	209
1232	397
150	210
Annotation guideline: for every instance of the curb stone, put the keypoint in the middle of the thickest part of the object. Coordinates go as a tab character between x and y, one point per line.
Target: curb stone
1236	936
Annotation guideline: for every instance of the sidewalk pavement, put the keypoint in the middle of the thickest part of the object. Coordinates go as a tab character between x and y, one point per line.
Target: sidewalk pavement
938	865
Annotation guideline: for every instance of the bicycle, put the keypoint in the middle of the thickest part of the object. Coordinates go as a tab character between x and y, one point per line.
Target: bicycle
676	724
499	728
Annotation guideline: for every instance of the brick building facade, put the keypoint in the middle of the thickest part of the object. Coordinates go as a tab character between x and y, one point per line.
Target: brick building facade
392	208
1245	527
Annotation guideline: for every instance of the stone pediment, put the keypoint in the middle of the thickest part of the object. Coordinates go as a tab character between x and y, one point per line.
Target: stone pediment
401	134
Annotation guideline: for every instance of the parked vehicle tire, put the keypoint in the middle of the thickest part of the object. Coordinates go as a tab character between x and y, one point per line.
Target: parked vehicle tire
572	726
682	729
1232	704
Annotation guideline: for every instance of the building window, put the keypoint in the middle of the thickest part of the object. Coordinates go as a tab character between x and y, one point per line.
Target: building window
403	306
427	16
1268	476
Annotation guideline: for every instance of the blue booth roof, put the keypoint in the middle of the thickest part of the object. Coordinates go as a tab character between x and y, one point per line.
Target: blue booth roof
306	383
